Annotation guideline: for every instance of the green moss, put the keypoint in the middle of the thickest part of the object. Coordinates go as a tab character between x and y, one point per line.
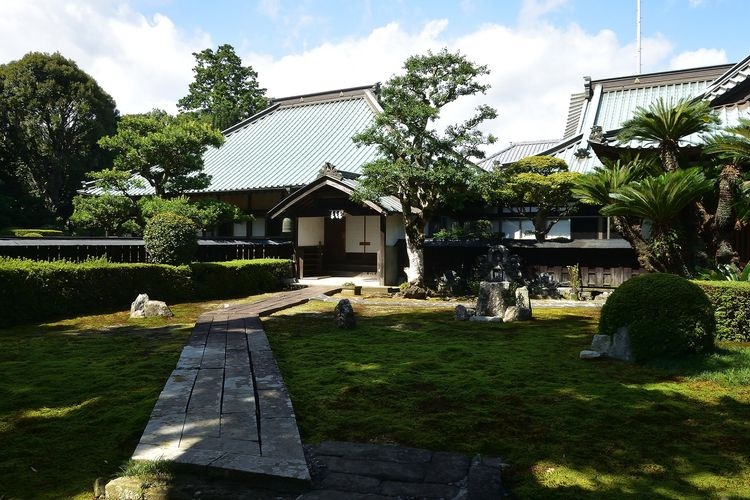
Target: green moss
666	315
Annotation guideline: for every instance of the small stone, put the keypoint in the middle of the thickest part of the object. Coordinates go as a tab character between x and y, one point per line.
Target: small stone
344	315
462	313
588	354
99	487
138	304
143	307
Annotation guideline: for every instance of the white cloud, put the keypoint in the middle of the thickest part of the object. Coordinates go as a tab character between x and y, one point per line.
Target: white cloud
147	62
698	58
533	70
533	10
143	63
270	8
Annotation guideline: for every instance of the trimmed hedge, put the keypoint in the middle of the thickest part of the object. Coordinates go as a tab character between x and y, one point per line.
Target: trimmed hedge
31	233
667	316
32	291
731	302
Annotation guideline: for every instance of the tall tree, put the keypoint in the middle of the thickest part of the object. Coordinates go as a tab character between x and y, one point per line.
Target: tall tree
51	116
223	90
419	165
166	151
536	188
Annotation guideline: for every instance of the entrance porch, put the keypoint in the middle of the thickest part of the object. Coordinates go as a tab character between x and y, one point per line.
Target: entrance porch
334	236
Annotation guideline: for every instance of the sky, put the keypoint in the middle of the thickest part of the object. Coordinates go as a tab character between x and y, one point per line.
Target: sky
537	51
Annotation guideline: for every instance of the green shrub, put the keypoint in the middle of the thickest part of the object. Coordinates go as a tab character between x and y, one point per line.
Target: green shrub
29	233
170	238
37	290
238	278
666	315
731	302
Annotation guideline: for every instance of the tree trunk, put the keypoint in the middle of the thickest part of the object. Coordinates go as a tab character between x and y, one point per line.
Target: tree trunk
632	234
668	157
724	220
414	232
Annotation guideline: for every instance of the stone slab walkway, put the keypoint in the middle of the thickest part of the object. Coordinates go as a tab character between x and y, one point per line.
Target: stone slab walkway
225	405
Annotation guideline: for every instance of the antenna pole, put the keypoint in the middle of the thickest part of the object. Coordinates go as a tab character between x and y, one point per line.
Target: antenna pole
638	32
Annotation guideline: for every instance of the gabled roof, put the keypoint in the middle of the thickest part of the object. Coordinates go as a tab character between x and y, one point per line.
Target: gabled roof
728	85
517	150
286	144
385	205
607	103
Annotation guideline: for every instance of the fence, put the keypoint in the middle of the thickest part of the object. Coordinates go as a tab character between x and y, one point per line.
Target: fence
133	250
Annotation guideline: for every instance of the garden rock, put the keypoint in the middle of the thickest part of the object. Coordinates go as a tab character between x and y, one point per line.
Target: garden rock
601	343
344	315
414	292
589	354
143	307
490	301
620	348
616	346
523	299
463	313
516	313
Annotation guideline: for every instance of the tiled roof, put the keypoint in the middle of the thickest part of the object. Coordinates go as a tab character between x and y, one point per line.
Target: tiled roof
515	151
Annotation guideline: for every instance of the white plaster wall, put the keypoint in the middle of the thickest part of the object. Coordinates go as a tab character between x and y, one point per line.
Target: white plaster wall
240	229
310	231
394	229
259	227
362	228
523	229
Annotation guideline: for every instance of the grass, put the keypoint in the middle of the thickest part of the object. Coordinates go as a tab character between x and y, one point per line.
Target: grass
569	428
75	396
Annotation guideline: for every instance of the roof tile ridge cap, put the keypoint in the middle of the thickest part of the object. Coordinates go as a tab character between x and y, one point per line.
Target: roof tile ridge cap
303	102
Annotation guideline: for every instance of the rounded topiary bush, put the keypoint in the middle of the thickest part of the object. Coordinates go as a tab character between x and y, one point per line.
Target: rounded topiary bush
170	239
666	316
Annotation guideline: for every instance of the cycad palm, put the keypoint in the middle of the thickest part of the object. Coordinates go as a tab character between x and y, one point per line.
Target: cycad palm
665	123
661	200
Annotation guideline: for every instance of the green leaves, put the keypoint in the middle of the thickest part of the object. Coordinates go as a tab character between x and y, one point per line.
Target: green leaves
659	199
164	150
51	115
223	90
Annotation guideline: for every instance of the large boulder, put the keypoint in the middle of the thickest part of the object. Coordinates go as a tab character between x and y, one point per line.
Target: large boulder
344	315
414	292
143	307
490	301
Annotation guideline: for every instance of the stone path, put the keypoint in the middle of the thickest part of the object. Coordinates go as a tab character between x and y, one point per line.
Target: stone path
353	471
225	406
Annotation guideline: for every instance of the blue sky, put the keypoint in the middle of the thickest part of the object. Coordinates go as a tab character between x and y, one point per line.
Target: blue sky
538	51
280	26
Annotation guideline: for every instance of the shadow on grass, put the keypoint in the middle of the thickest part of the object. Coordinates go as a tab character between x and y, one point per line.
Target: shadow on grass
73	403
570	428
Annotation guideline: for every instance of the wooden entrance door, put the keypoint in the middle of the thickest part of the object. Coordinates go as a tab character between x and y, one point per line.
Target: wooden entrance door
334	246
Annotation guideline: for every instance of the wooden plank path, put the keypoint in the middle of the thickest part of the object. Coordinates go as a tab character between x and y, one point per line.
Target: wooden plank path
225	405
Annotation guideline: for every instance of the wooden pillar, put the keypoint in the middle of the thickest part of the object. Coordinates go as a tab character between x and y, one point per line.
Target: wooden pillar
381	252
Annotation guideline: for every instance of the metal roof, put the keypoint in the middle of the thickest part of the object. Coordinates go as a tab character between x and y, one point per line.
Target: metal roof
517	150
289	143
286	144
